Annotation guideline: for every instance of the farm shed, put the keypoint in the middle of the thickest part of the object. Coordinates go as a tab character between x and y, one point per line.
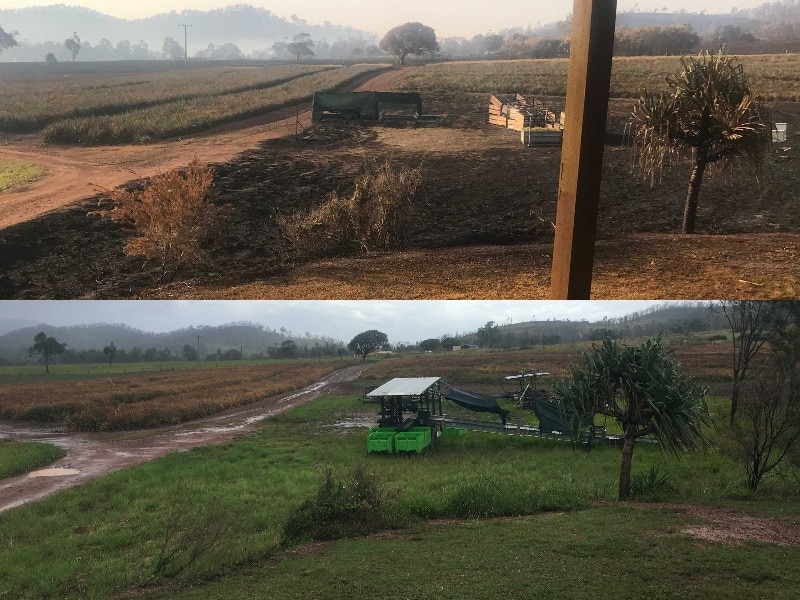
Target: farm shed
537	124
362	105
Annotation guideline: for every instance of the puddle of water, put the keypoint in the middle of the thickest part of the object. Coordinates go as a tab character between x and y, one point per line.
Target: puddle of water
54	472
352	423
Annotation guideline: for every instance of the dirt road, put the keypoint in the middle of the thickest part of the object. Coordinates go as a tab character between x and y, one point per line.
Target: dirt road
91	455
75	173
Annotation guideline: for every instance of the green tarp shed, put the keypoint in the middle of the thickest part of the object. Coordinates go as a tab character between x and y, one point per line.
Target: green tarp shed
362	105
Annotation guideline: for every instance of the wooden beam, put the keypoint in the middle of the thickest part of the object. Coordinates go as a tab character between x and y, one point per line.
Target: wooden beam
588	83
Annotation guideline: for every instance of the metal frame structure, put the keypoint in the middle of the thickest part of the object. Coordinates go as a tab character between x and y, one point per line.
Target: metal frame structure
421	396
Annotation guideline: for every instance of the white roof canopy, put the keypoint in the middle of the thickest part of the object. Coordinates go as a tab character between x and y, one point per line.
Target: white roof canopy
404	386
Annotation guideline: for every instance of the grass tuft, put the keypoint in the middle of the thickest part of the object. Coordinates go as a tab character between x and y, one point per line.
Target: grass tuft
13	174
21	457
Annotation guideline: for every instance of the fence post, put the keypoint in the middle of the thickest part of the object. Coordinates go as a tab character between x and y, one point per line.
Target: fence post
588	83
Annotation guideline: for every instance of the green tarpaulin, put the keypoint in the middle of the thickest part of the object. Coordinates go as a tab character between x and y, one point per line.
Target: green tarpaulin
362	105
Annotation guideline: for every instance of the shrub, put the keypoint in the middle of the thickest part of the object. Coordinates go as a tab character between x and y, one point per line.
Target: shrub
190	532
172	215
650	485
341	508
375	217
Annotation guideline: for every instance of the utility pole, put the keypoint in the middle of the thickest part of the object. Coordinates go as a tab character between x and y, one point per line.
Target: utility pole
185	47
588	86
198	346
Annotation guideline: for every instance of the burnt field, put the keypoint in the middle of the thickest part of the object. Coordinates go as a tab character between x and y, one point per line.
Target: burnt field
480	188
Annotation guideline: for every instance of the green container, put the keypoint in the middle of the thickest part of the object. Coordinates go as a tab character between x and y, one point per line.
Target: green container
411	441
381	441
426	431
453	431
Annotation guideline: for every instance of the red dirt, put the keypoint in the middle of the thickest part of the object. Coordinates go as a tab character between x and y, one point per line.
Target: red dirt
75	173
93	455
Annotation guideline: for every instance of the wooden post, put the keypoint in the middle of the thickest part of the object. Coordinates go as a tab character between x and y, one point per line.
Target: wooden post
588	85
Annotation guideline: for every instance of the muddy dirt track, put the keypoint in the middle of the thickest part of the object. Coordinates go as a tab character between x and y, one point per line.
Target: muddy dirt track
93	455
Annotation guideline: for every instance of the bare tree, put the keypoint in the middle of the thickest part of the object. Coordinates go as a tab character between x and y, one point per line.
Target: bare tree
748	321
769	424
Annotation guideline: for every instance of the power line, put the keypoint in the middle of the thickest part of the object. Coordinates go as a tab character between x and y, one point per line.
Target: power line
185	46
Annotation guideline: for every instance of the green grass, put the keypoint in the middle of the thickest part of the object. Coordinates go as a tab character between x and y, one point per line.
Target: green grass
104	537
608	552
13	174
21	457
28	103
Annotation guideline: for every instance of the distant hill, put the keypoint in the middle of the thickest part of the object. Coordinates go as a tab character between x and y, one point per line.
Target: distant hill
7	325
248	27
251	337
689	318
701	23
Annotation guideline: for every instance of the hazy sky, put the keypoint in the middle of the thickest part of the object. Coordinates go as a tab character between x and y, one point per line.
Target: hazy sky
402	321
447	17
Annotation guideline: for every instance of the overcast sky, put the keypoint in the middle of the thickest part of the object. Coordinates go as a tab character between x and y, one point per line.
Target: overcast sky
402	321
447	17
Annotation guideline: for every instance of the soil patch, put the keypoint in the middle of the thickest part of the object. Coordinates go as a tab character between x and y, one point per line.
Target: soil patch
733	527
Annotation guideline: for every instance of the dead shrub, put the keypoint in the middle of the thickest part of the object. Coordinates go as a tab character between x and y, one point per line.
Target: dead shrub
375	217
172	215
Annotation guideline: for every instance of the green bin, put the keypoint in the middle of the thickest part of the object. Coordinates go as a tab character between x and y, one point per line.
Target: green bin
411	441
381	441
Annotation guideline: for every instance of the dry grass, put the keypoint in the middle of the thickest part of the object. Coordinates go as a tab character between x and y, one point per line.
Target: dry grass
773	77
483	371
375	217
630	266
148	400
172	215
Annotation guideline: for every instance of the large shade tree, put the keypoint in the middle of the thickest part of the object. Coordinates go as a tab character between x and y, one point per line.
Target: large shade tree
7	40
73	44
709	109
645	390
367	342
47	347
301	45
409	38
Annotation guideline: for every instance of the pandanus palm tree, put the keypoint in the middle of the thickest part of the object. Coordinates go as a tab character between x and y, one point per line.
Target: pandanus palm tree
709	109
645	390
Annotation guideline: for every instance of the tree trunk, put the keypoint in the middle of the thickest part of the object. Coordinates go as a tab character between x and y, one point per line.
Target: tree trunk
734	400
690	210
625	467
700	163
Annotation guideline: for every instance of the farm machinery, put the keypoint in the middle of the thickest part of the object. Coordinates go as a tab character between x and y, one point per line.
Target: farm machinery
412	417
